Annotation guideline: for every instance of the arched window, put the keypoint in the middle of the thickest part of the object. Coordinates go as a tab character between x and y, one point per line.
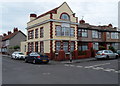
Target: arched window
65	16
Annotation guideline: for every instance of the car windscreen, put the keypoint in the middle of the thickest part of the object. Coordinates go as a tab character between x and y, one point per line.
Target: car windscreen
99	52
110	51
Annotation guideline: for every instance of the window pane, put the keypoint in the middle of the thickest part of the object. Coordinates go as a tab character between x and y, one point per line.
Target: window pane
65	16
58	31
65	46
58	46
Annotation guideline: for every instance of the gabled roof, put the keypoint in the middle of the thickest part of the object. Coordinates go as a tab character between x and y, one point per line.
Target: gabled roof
54	10
12	35
51	11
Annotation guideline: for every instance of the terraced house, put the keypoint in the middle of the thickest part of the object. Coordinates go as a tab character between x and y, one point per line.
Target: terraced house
58	34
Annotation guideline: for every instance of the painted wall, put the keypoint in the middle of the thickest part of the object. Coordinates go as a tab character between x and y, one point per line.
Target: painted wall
36	21
23	47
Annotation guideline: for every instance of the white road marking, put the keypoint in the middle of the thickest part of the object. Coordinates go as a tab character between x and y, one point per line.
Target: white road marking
71	65
101	64
98	68
46	73
109	70
66	65
95	67
88	66
79	66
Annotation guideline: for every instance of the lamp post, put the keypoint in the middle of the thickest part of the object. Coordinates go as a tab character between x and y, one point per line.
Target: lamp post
70	47
73	14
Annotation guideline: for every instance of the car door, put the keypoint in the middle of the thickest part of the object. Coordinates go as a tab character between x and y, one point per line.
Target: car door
32	57
28	58
112	55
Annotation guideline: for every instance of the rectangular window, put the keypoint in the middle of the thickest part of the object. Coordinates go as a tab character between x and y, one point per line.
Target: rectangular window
82	33
64	31
108	35
41	32
114	35
58	30
30	34
95	46
36	33
94	34
71	31
36	46
65	46
72	46
99	34
79	33
58	46
82	46
42	47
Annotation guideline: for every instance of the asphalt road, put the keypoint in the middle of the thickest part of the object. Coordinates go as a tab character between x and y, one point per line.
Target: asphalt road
92	72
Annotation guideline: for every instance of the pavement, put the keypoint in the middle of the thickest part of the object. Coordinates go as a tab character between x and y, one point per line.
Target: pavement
68	61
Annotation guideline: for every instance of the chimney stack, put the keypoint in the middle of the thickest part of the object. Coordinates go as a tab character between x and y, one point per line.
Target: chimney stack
9	32
110	25
15	30
32	16
4	34
82	22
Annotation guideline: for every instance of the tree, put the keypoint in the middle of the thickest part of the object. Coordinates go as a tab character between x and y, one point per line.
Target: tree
101	48
16	47
112	48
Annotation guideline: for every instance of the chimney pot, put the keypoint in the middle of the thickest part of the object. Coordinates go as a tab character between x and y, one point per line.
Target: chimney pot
81	21
9	32
4	34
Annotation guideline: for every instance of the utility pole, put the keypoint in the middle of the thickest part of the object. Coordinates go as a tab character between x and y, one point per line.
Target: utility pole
70	47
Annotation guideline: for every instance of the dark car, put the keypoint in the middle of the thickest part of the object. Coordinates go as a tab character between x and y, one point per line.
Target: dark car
35	57
118	52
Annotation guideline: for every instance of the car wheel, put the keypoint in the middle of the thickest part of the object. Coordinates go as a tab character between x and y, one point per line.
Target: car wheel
15	57
26	61
34	62
107	57
116	56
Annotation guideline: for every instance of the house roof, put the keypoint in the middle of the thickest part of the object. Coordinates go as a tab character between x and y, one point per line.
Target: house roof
54	10
51	11
11	35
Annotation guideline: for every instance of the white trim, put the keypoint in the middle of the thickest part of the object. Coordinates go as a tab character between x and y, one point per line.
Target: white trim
53	20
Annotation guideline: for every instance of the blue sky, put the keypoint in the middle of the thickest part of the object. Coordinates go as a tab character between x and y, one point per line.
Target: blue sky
15	13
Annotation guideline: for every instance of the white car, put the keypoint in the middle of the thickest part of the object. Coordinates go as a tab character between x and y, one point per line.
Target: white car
18	55
106	54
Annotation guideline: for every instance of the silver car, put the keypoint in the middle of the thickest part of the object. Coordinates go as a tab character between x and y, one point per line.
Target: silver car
106	54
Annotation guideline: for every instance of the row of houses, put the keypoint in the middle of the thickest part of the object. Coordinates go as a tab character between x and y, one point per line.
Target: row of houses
10	42
58	34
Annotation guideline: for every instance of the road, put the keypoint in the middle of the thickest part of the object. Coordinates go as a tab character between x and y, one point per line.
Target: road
92	72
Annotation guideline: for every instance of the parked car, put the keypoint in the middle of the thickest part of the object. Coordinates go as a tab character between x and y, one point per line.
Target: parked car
118	52
35	57
18	55
106	54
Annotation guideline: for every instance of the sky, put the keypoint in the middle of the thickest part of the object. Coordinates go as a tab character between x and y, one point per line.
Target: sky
15	13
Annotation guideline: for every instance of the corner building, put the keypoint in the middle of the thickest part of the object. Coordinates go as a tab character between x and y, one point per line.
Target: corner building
53	31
